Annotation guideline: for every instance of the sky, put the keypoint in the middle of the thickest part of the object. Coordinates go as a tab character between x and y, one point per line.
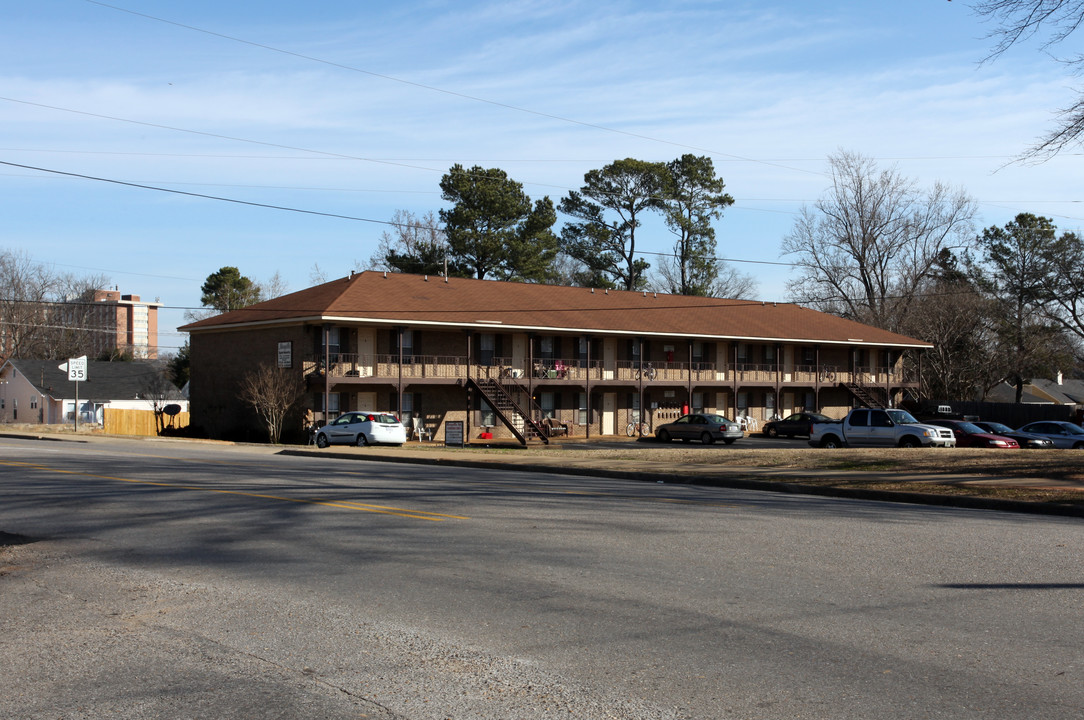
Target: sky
340	113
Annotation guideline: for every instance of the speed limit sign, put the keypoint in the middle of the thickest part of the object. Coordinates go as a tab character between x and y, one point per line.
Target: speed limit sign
77	368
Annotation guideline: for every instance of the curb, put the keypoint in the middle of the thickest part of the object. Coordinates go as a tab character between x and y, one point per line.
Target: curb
737	483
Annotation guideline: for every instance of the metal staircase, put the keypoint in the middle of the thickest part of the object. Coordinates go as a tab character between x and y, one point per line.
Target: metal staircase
874	398
508	401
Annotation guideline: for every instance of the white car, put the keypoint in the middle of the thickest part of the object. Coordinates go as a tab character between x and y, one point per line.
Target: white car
361	429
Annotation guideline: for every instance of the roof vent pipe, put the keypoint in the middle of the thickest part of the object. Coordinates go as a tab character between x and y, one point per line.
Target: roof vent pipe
592	291
385	274
607	291
426	278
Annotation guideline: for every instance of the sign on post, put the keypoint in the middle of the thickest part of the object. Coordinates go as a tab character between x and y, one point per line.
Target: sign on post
77	368
77	371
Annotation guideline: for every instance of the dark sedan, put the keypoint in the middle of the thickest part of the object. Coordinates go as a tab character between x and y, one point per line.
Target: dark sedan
1026	440
968	434
798	423
706	428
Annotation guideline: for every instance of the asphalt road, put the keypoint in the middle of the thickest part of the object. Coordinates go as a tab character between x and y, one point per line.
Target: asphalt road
175	580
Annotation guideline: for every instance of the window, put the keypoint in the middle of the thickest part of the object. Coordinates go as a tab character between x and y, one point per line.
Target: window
698	402
581	408
634	408
769	403
809	356
743	403
548	403
545	347
332	343
408	409
743	353
769	354
33	403
860	418
810	401
488	417
333	404
407	339
879	418
487	348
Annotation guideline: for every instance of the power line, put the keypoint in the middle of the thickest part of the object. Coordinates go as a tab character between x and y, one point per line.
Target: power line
451	93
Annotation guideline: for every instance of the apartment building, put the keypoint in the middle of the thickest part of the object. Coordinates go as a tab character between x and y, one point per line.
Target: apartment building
503	358
127	324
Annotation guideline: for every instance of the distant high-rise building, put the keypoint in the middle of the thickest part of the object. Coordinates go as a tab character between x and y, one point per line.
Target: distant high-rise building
130	324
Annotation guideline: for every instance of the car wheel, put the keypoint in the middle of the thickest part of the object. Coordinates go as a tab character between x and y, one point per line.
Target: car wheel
321	441
664	436
831	442
1078	446
909	442
707	439
362	441
771	432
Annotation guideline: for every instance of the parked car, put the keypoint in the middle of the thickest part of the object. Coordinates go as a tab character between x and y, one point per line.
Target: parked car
968	434
703	427
864	427
1026	440
799	423
361	429
1064	434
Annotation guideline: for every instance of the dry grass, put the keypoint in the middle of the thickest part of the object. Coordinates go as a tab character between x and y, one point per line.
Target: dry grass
1028	465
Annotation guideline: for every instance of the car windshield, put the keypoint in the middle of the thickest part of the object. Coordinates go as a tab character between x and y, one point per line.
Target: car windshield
969	427
1071	429
901	417
819	417
998	427
716	419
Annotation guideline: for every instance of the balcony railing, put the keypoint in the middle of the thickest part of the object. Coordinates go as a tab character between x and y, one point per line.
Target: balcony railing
453	367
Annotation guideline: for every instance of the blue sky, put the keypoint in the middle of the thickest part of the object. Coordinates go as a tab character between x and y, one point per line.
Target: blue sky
357	109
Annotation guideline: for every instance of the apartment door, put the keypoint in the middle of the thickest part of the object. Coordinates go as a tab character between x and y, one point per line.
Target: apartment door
609	360
366	350
609	414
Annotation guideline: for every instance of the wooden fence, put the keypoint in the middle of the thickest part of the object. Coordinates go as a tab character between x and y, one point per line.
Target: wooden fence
137	422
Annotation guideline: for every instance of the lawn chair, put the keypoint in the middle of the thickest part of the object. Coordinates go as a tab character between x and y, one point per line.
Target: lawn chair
419	430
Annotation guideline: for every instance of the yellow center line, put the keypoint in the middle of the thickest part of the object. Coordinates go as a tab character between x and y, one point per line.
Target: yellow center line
348	505
676	501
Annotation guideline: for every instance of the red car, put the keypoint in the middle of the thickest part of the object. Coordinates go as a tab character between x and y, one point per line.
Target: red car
971	435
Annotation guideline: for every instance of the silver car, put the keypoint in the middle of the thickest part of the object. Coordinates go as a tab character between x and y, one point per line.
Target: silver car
704	427
1064	434
361	429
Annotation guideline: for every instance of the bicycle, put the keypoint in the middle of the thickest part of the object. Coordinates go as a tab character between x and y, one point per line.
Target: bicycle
648	371
631	428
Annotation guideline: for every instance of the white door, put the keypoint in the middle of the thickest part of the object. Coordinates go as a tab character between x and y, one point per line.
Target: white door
609	363
609	414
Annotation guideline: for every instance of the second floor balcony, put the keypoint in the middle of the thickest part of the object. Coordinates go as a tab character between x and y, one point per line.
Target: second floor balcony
346	367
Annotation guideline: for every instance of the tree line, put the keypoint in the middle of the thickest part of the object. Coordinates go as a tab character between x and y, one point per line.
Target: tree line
493	229
1001	304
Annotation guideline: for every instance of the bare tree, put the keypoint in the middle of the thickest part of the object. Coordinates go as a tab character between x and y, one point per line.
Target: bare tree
45	315
271	391
865	249
1053	21
275	287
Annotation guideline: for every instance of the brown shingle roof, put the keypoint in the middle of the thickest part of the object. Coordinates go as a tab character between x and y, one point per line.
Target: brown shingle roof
395	299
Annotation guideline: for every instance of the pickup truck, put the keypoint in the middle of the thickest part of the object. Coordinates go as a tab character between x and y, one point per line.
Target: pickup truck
879	428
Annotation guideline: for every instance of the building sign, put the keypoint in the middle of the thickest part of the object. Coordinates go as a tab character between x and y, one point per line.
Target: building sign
453	432
286	354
